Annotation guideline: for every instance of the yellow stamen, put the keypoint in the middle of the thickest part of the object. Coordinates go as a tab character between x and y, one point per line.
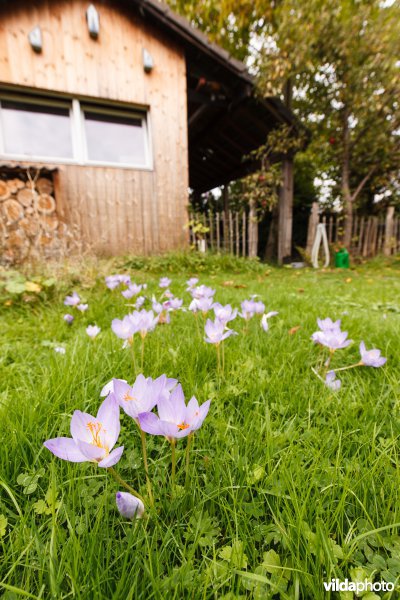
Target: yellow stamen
183	425
128	397
95	429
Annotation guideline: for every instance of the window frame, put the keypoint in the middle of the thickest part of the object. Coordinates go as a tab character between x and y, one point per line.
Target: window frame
77	109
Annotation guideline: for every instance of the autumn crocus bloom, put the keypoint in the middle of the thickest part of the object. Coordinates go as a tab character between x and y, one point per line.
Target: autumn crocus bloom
143	321
72	300
143	395
202	291
264	320
331	381
164	282
82	307
191	283
329	325
109	387
371	358
224	313
248	309
93	331
92	437
129	506
334	339
123	328
68	318
216	332
173	304
175	420
132	290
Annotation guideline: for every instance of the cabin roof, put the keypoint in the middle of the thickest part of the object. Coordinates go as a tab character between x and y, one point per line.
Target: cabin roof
226	119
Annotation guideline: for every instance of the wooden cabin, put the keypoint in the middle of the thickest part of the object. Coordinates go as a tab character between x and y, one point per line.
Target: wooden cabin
108	113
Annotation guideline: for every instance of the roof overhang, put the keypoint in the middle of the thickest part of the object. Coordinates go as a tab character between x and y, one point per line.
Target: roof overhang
226	119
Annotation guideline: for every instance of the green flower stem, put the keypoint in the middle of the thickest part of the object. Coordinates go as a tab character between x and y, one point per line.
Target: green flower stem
119	479
187	459
173	461
142	353
146	467
133	354
218	358
359	364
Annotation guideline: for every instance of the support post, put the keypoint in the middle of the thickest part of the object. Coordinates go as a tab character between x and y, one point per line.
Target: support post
285	219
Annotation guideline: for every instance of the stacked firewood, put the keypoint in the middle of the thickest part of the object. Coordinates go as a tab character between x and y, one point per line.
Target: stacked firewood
29	226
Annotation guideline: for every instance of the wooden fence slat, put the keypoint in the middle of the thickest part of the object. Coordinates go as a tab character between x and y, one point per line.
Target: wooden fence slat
217	231
237	239
244	253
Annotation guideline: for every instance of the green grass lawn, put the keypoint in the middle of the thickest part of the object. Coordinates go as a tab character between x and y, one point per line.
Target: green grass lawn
291	484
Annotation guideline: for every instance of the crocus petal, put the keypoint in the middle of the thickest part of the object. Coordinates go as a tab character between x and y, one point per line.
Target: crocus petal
112	458
150	423
79	426
108	415
203	411
129	506
65	448
92	452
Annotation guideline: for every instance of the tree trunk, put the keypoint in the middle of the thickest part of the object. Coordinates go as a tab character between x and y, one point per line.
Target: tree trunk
285	212
346	194
253	230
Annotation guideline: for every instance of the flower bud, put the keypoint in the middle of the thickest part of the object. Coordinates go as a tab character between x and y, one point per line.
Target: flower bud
129	506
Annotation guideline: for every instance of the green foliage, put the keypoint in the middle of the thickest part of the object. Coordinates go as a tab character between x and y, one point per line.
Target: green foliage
290	484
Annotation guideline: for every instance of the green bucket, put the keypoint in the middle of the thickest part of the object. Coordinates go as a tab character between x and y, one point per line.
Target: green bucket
342	259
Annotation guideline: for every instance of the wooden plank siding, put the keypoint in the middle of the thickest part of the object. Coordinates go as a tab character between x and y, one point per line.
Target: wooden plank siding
116	210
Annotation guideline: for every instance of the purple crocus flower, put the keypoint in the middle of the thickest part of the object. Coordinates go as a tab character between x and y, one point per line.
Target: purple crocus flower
124	329
92	437
112	281
331	381
173	304
202	291
248	309
82	307
164	282
143	395
175	420
68	318
216	332
191	283
139	302
328	325
72	300
129	506
264	320
133	290
93	331
143	321
371	358
334	339
224	313
202	304
109	387
259	307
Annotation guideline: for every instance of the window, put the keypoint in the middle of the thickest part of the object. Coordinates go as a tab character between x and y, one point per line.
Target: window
114	138
33	130
68	131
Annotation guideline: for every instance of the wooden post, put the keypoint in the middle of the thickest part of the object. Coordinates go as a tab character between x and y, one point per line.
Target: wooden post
244	234
211	226
387	249
217	231
285	219
361	236
312	227
253	230
225	195
230	232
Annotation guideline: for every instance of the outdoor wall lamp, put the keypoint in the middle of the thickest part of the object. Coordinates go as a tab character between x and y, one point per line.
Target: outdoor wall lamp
93	21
